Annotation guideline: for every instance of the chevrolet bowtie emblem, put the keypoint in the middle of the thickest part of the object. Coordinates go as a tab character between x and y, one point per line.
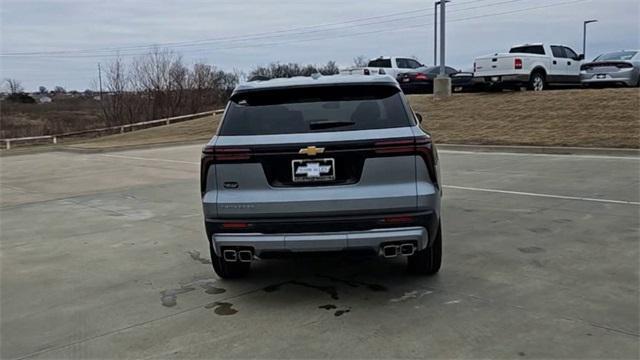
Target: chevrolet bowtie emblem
311	150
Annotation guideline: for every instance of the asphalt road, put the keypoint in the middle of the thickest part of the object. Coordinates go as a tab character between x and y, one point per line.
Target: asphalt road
104	256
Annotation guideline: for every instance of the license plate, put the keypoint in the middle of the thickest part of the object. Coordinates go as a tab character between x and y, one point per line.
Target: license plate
457	88
312	170
406	79
601	76
495	78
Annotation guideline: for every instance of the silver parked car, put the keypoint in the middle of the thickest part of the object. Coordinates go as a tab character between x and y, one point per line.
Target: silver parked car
615	68
321	164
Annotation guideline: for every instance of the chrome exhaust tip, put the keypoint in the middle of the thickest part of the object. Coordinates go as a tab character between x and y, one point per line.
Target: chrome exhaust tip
230	255
390	251
407	249
245	255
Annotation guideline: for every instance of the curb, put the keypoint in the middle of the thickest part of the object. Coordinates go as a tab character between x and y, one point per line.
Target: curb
552	150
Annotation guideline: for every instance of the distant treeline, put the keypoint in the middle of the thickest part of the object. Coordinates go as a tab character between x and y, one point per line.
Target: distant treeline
159	85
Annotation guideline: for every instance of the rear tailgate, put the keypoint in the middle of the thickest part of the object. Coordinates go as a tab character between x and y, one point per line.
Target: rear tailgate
606	67
499	64
313	151
365	182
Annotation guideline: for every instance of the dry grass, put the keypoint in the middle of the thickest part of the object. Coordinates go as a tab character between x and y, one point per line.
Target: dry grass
60	116
187	131
581	118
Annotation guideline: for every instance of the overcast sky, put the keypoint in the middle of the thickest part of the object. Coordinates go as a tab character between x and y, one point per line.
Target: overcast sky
264	31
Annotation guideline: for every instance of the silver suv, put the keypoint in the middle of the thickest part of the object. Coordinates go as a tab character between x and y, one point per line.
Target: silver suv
321	164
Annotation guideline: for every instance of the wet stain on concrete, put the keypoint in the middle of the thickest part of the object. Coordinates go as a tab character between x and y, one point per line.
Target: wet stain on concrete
327	307
531	250
341	312
169	298
210	289
354	283
195	255
221	308
539	230
562	221
521	353
330	290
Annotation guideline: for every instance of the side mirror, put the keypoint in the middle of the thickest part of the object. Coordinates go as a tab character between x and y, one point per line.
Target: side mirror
580	57
419	117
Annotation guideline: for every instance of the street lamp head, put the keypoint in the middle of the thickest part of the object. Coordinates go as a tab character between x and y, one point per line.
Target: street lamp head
440	2
590	21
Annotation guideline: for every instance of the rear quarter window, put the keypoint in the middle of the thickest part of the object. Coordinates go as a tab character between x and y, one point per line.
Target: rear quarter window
380	63
315	109
529	49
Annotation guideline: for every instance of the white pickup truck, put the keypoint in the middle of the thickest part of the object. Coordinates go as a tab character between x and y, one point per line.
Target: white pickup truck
385	65
532	65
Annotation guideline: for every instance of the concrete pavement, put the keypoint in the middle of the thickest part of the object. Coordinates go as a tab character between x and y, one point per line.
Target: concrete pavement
104	256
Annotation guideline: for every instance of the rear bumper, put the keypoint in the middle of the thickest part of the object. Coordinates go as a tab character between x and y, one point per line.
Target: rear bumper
417	87
502	79
622	77
304	235
368	240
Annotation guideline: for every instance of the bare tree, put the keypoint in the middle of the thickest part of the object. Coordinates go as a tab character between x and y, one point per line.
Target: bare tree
360	61
42	90
14	86
159	85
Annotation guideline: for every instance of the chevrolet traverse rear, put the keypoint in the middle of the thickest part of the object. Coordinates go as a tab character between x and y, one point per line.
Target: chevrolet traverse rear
320	164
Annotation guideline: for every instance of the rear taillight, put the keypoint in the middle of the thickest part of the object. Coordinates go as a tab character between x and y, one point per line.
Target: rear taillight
381	72
235	225
421	76
517	63
474	66
224	154
215	155
366	72
421	146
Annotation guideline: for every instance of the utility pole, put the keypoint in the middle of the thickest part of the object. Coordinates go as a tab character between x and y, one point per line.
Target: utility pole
435	31
100	80
584	36
442	83
443	5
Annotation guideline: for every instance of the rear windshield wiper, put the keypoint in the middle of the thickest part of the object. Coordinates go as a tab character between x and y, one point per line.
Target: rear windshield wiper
329	124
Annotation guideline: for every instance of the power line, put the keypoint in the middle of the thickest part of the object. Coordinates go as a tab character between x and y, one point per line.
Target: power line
422	24
259	36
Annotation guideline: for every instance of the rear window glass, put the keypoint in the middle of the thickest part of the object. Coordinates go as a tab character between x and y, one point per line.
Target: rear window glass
530	49
315	109
380	63
619	55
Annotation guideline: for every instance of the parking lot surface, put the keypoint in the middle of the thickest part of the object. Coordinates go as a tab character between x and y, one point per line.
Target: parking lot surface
104	256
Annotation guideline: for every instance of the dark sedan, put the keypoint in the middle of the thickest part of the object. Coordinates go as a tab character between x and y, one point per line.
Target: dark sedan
420	80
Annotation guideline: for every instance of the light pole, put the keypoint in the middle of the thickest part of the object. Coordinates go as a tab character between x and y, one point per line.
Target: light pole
435	31
442	83
584	36
442	12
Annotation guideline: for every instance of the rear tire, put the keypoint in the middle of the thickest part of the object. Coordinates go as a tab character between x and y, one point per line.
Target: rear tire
429	260
537	81
228	270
